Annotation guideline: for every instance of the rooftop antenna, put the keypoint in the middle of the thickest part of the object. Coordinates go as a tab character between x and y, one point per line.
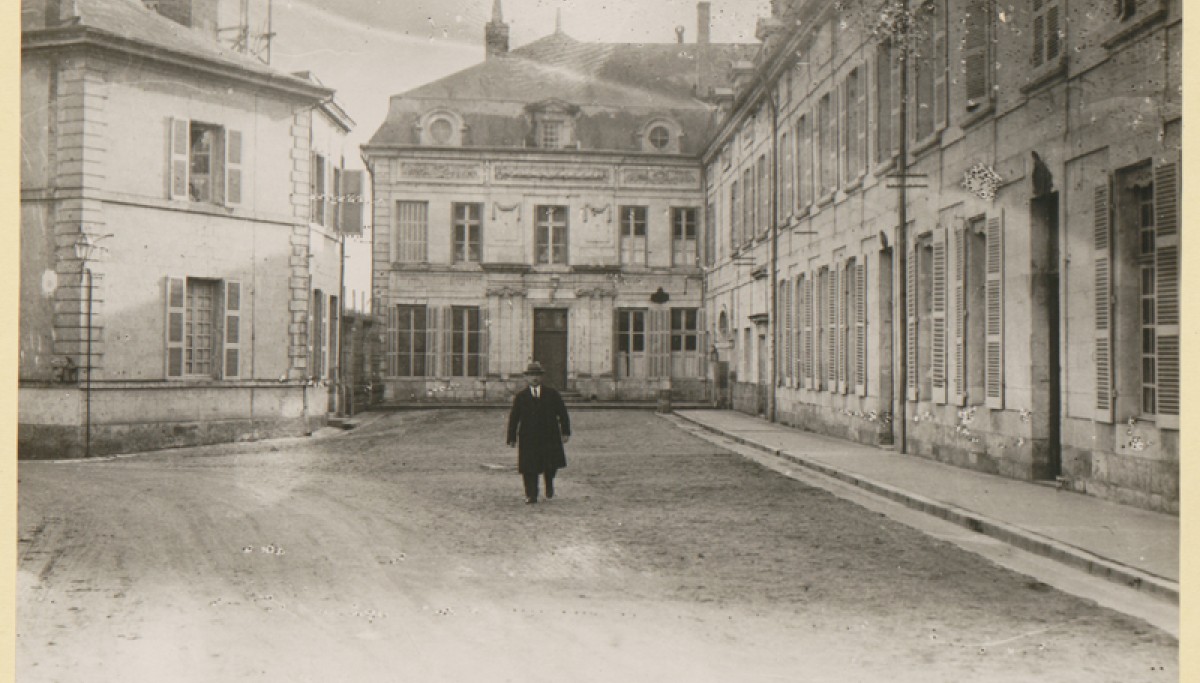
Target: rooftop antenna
558	20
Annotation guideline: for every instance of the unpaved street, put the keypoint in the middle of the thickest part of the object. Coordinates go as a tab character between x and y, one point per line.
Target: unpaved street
402	551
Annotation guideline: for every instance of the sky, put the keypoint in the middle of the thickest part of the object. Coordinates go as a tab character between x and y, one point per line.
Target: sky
369	50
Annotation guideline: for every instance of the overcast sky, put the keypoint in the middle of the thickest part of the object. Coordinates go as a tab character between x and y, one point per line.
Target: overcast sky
369	50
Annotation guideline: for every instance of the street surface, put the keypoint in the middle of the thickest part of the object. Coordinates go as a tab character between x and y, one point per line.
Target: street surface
402	551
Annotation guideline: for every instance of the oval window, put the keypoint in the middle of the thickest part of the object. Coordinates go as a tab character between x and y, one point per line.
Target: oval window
660	137
441	130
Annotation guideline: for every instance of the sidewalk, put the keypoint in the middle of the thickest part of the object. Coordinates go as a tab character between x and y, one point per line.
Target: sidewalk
1128	545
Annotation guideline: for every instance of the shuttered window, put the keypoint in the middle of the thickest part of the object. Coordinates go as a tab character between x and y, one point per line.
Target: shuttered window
763	176
994	350
204	163
929	76
860	328
412	228
887	102
821	313
806	332
976	52
1047	39
910	329
1166	284
735	217
832	333
1102	293
785	200
937	371
203	328
804	162
631	343
317	189
749	203
854	130
350	195
232	341
827	148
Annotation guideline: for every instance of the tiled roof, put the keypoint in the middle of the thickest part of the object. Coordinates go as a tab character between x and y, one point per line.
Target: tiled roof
130	20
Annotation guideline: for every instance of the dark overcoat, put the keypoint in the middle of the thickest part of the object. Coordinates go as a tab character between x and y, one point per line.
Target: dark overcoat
537	427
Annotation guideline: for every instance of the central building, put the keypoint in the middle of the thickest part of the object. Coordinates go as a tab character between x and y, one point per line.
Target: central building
547	204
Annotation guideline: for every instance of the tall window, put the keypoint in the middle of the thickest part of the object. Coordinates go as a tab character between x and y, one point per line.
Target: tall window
970	275
203	171
827	154
789	174
317	189
203	328
763	177
854	134
748	204
633	235
685	342
735	216
684	240
804	160
976	60
929	79
468	232
412	227
465	346
407	352
551	234
631	342
887	102
1047	42
551	134
199	339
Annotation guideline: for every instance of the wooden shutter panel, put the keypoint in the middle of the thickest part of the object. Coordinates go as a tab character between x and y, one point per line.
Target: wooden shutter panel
806	310
960	315
975	52
233	167
1102	290
1167	281
233	330
179	145
485	339
910	307
897	123
843	323
659	333
352	203
432	326
938	327
862	120
940	101
994	346
860	328
176	305
447	341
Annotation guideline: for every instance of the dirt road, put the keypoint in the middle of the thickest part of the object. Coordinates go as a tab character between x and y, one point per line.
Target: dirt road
402	551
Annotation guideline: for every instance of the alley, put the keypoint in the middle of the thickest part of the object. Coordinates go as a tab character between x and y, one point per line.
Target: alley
401	551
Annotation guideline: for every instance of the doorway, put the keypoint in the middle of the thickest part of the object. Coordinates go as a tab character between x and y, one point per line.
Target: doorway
550	344
1048	371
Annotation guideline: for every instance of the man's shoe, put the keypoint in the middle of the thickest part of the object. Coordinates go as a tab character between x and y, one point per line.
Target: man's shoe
549	492
530	501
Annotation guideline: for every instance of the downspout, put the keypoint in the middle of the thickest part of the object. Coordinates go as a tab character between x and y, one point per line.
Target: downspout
771	398
900	274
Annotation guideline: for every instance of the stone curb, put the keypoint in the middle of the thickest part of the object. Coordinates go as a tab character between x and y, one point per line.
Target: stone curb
1024	539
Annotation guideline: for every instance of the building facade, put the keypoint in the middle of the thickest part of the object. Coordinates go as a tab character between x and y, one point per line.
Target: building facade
171	249
1025	320
547	204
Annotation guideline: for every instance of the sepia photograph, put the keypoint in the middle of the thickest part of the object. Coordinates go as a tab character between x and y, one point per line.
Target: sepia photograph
636	340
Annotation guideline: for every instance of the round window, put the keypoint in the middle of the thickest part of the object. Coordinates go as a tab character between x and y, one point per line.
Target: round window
660	137
441	130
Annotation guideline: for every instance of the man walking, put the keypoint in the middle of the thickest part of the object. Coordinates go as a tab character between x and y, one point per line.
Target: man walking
539	422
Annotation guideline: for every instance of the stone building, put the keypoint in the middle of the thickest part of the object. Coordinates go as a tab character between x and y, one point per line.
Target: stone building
547	204
1026	320
179	270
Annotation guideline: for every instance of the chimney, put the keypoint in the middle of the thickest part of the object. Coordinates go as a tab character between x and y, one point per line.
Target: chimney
496	33
703	22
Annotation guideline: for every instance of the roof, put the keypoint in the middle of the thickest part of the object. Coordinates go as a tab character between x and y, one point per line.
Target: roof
130	24
619	85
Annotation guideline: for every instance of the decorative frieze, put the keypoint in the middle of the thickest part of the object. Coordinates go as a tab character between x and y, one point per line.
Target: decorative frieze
661	177
441	170
544	173
506	292
597	292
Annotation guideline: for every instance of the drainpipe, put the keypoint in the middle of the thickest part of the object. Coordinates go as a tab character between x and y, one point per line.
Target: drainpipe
774	253
899	276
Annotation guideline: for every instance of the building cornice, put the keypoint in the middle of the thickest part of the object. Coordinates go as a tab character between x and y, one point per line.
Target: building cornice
88	37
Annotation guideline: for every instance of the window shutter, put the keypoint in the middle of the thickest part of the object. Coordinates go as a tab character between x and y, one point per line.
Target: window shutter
789	173
843	322
862	114
702	342
432	326
1102	242
994	347
938	328
1053	42
175	312
975	52
960	316
940	102
353	202
1166	269
447	341
860	328
831	322
233	330
485	337
659	332
897	124
233	167
832	132
910	307
806	309
178	147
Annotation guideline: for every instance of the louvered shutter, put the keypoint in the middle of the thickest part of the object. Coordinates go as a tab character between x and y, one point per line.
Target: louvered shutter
1167	280
176	305
940	101
233	330
861	119
433	320
975	52
1102	290
897	123
843	322
485	339
806	161
806	310
1053	40
448	341
233	167
960	316
831	327
616	342
994	345
860	328
910	307
393	340
352	202
659	329
938	327
179	146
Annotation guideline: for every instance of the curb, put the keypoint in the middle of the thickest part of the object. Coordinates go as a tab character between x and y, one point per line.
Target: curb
1024	539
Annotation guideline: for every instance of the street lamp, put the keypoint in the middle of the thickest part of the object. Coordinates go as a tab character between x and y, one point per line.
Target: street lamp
87	246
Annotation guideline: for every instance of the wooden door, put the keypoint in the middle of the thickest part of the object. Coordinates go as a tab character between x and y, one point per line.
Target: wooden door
550	344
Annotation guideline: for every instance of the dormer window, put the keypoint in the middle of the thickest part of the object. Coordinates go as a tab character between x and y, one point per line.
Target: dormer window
441	128
660	135
553	124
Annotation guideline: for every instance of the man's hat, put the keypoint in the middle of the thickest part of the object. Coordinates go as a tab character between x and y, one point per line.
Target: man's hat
534	368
